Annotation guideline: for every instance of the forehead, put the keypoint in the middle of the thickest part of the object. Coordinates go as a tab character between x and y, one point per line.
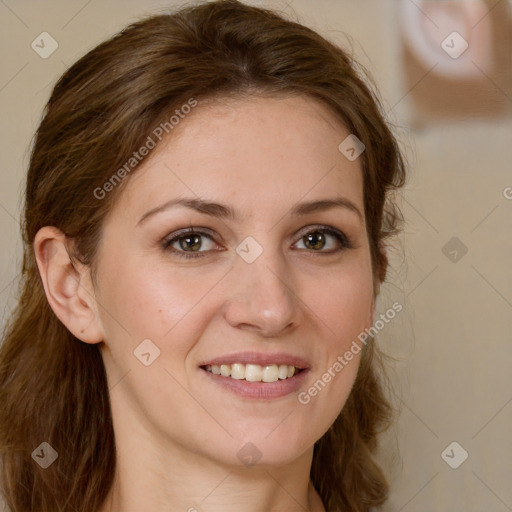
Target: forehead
291	123
249	150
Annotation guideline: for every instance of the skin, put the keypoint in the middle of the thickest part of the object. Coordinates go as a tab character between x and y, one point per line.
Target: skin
177	434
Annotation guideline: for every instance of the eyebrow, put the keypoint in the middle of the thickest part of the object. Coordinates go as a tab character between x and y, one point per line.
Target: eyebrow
222	211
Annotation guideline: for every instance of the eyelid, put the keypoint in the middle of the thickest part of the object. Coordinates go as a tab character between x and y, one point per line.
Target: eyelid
192	230
346	241
188	231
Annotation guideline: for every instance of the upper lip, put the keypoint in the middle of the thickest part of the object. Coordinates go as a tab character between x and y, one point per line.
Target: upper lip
262	359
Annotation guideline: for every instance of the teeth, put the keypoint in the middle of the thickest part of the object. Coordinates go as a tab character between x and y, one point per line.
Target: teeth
283	371
238	371
253	372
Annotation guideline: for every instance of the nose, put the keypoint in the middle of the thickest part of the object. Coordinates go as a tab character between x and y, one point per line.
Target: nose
263	296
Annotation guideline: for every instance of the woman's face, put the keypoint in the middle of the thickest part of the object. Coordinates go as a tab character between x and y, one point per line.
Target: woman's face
263	285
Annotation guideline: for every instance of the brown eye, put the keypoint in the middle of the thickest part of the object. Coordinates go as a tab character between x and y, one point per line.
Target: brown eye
187	243
320	238
192	242
315	240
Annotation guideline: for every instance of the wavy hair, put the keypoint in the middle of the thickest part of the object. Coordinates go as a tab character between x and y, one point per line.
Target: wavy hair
53	387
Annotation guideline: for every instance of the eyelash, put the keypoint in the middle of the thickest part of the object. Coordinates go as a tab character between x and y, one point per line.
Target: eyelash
174	237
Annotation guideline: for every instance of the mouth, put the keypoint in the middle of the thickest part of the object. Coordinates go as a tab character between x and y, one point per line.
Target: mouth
256	375
254	372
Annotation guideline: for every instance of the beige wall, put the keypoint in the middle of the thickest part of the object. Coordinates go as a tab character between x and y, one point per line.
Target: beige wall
453	338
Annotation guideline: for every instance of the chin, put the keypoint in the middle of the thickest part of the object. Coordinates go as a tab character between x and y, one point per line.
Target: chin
266	447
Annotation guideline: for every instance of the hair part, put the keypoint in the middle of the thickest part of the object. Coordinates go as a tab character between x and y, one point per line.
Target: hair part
53	387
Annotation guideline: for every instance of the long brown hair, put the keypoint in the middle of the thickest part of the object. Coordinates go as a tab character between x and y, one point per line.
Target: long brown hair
53	387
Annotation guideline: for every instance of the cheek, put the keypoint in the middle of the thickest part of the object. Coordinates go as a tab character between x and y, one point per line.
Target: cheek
341	307
342	303
161	302
147	299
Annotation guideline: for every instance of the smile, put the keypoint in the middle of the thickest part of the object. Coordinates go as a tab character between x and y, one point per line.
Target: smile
253	372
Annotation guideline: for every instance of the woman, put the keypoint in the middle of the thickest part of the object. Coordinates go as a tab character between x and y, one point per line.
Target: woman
207	206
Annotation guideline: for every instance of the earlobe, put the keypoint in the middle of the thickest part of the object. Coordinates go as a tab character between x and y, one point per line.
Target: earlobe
67	286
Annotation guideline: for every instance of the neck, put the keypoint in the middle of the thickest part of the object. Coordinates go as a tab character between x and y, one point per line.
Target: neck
157	475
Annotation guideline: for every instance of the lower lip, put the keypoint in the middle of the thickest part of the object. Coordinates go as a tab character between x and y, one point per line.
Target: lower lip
261	390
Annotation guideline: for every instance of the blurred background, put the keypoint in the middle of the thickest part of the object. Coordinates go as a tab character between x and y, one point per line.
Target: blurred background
444	72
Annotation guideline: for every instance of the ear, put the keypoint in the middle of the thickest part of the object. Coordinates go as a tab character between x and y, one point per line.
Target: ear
67	285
